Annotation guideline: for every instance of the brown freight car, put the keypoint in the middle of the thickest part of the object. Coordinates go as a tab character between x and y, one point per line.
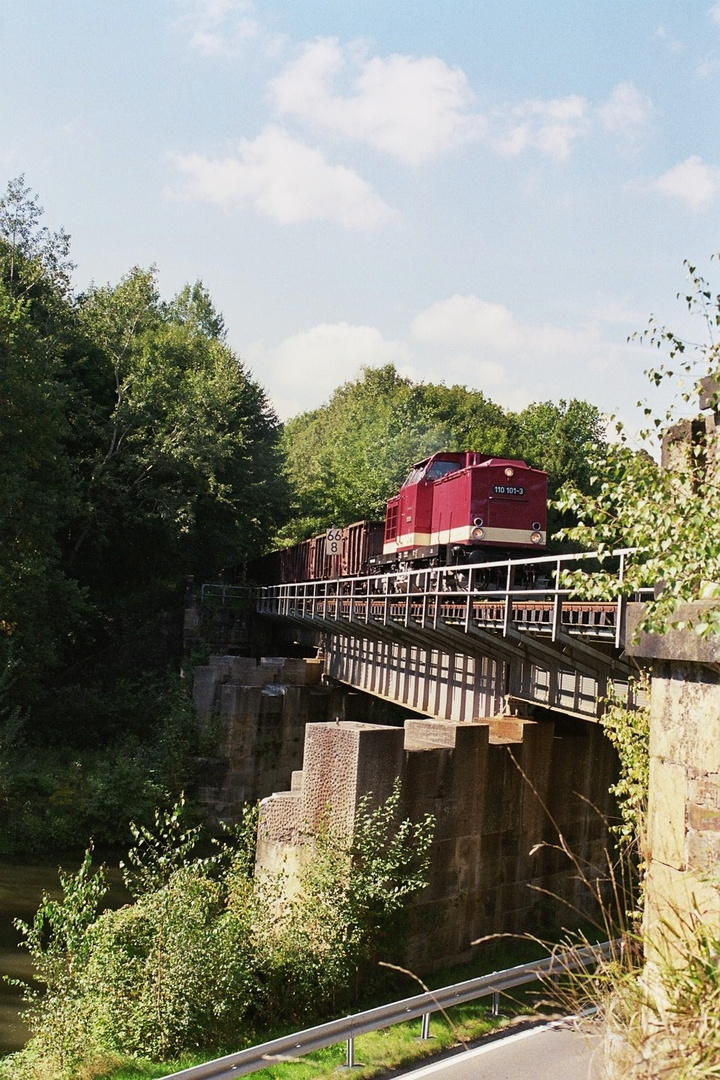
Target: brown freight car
310	560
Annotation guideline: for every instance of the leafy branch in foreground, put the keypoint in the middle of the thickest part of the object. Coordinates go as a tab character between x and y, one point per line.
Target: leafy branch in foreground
671	513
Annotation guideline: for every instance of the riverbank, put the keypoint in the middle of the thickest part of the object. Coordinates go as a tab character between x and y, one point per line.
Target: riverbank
22	885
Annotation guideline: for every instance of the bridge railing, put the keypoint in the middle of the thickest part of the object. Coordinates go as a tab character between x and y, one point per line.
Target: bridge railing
518	594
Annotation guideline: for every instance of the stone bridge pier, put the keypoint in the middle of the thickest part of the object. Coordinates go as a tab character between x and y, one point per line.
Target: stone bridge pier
499	790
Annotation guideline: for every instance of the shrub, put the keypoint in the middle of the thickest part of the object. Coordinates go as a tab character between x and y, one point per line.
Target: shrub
205	948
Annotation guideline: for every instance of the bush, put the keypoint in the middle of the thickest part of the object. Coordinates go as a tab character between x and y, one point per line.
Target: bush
205	949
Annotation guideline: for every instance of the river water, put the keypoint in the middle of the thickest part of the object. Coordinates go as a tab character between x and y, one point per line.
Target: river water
21	889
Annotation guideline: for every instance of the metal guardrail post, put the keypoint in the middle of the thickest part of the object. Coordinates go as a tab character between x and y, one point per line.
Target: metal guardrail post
425	1027
350	1054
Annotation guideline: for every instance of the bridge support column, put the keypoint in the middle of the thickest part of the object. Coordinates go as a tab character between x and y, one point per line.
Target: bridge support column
684	797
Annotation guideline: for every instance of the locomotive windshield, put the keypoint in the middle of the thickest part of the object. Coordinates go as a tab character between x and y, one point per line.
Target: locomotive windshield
434	472
441	468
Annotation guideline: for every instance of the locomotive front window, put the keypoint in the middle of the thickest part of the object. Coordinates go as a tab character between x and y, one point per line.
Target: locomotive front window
414	476
442	468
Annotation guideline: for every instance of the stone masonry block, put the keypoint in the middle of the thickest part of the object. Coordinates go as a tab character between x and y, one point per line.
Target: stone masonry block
705	791
344	762
685	723
666	812
204	685
675	901
703	818
427	734
280	817
703	851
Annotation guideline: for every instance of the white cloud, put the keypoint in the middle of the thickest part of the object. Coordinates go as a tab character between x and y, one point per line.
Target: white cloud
285	180
467	321
305	368
707	67
626	111
464	340
548	126
692	181
218	27
412	108
480	340
416	108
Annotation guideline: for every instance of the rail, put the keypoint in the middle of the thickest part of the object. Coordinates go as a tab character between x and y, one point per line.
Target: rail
226	594
348	1028
517	594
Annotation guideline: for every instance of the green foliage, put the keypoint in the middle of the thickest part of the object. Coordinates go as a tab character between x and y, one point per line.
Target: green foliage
349	909
629	731
184	474
57	940
51	796
556	437
670	516
135	451
206	950
159	851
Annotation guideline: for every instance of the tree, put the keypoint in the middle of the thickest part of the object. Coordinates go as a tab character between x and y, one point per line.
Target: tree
557	438
39	606
348	457
670	516
183	475
136	450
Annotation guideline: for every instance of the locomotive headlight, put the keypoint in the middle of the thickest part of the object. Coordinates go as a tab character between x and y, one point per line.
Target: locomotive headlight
479	521
477	534
536	537
509	472
536	526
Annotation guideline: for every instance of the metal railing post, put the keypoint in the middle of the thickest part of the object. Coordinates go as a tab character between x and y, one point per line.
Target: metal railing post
350	1054
507	615
425	1026
557	606
468	601
620	608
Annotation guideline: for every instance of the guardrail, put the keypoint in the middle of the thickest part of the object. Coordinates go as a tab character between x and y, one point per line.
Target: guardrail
482	594
225	594
349	1028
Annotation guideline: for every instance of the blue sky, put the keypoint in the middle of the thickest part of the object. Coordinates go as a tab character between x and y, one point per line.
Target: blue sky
495	193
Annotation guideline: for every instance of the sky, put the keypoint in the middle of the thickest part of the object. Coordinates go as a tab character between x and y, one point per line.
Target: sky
496	193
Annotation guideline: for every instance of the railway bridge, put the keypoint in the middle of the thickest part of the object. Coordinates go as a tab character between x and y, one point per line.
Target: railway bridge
487	640
505	672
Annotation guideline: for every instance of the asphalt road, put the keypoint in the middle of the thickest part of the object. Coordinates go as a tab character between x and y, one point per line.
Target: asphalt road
556	1051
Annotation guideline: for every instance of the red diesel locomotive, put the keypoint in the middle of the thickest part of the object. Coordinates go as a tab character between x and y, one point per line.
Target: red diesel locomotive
465	507
453	509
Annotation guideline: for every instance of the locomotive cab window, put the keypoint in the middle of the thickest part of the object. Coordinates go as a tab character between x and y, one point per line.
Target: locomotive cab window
442	468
